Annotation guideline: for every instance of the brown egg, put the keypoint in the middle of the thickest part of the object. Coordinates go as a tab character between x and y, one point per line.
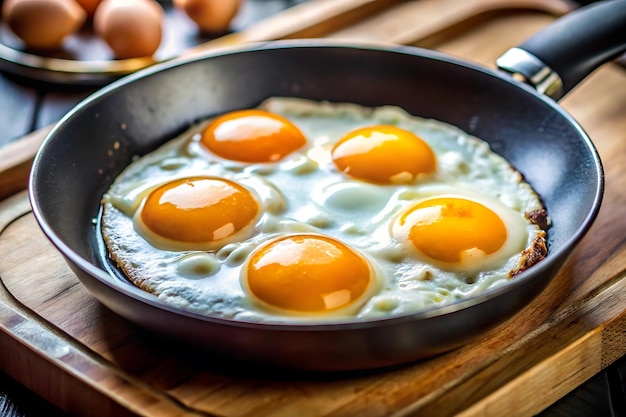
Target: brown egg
211	16
132	28
89	5
43	24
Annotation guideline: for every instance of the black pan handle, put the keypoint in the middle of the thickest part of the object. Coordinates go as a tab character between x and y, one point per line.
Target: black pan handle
557	58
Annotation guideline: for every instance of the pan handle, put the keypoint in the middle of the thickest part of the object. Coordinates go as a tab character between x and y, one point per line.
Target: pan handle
557	58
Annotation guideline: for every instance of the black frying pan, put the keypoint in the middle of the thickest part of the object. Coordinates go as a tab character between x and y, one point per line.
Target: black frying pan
78	161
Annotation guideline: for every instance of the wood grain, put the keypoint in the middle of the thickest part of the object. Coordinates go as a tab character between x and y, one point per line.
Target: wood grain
54	329
16	160
405	24
16	118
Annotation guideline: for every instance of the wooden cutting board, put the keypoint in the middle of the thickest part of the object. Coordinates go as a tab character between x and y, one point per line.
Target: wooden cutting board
59	341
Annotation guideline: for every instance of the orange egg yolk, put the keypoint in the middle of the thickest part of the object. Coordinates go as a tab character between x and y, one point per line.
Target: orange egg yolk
449	229
199	209
383	154
252	136
307	274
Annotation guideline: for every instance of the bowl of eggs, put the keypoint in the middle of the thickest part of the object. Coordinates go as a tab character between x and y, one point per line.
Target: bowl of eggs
97	41
317	205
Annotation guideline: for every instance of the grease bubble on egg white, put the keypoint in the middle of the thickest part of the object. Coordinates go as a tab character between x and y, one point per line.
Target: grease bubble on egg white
308	187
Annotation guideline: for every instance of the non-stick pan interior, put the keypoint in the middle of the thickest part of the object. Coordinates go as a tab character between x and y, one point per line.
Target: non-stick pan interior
135	115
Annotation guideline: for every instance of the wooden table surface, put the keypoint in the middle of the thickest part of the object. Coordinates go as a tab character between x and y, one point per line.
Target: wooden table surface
26	106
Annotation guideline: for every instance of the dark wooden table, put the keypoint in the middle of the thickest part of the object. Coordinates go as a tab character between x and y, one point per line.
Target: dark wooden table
26	106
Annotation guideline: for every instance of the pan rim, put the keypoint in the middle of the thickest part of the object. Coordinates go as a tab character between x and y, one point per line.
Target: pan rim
138	295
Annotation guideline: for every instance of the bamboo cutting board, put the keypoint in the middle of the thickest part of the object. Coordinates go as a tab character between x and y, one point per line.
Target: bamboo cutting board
60	342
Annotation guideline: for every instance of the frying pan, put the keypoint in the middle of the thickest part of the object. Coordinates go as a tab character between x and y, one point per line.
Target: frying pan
518	118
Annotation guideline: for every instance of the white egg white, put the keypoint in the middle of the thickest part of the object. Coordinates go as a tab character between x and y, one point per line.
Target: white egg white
304	192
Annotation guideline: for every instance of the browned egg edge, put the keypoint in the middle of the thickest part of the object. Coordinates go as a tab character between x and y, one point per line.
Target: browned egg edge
538	250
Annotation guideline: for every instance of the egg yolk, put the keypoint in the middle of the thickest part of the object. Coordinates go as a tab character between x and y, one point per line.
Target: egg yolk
307	274
199	209
252	136
383	154
453	230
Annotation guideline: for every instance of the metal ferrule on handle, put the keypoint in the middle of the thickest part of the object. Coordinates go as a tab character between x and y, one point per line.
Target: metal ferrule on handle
557	58
535	72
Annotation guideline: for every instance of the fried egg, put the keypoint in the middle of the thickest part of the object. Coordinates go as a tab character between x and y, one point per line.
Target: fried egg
304	211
